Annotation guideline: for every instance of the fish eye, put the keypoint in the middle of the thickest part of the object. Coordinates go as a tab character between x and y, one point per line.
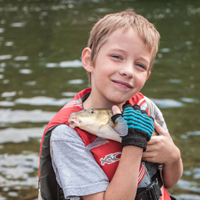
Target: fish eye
91	111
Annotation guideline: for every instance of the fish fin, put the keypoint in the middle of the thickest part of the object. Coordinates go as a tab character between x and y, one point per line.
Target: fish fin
97	142
120	126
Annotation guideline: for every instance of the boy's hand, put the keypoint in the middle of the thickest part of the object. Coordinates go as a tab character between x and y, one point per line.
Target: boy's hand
161	149
140	126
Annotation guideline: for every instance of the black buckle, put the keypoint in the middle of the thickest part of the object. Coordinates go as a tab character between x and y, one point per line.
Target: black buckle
154	190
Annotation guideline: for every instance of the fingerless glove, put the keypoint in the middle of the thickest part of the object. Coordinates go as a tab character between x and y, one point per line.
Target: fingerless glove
140	126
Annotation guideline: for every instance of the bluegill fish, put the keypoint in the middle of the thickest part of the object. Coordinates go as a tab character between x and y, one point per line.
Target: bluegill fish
98	122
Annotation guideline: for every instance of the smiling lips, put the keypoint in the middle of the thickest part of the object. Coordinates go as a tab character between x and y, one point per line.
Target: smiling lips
123	84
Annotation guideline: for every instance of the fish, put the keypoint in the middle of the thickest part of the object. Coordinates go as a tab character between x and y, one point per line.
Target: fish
98	122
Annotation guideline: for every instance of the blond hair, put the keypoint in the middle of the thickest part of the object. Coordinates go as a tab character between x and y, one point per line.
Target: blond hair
125	19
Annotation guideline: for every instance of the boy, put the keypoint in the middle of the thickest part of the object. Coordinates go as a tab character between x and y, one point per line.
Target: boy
119	59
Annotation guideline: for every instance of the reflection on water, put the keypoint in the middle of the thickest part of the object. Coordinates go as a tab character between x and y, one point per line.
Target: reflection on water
40	71
167	103
23	134
9	116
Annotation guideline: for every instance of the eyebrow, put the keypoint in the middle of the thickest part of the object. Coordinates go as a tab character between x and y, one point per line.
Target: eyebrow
123	51
118	49
145	59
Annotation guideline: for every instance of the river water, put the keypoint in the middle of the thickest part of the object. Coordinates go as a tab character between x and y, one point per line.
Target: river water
40	71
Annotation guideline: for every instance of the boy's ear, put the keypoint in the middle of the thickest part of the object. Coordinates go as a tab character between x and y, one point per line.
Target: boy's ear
149	73
86	54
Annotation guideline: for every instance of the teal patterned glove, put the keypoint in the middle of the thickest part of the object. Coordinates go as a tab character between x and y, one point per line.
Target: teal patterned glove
140	126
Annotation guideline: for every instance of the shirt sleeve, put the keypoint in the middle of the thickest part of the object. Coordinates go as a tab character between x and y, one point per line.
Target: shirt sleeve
76	170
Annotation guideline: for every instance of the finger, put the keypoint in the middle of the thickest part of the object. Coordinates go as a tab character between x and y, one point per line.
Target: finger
136	107
144	112
116	113
155	133
149	159
147	155
115	110
158	128
153	141
126	105
150	148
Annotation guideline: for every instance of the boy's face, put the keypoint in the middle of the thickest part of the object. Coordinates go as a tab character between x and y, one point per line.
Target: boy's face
121	69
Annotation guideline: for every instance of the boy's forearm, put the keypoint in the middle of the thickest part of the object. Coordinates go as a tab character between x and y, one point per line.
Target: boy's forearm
124	182
172	171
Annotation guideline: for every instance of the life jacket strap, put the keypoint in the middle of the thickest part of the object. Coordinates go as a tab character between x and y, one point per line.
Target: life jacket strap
60	194
152	191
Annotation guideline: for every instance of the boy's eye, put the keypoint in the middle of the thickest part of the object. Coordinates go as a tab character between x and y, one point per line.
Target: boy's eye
141	66
117	57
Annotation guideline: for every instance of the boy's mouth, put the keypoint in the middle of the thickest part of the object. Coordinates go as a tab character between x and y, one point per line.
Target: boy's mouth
123	84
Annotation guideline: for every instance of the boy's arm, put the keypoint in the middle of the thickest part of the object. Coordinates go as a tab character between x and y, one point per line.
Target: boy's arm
172	171
161	149
124	182
172	163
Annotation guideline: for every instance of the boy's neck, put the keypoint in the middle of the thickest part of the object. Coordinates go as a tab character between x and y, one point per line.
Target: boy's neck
94	103
88	104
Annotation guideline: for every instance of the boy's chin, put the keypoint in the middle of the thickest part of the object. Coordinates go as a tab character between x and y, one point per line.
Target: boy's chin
120	100
117	99
118	103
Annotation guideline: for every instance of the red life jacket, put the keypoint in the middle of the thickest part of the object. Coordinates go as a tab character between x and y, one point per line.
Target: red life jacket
106	155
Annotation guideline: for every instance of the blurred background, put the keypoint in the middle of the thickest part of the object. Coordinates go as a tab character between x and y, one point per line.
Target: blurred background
40	71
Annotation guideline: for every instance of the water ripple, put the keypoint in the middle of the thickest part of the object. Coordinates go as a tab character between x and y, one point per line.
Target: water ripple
189	100
190	133
21	58
25	71
165	50
42	100
167	103
175	81
76	81
187	197
51	65
17	24
69	94
9	94
75	63
196	172
9	44
23	134
1	30
7	104
188	185
16	167
8	116
5	57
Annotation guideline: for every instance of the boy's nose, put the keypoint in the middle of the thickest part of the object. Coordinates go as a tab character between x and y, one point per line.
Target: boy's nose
127	70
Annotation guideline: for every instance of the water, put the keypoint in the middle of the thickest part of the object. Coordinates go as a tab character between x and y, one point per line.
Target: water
40	70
